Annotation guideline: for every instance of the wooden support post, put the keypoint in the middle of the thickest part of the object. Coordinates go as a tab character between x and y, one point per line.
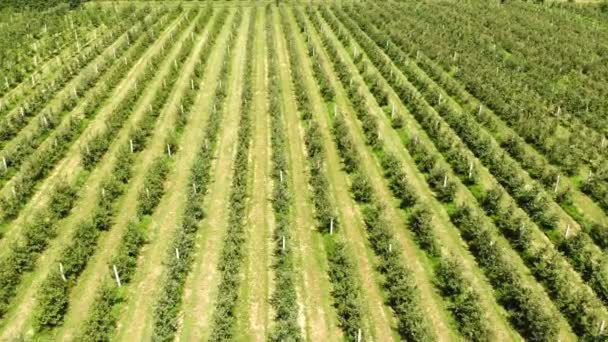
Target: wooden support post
61	272
116	276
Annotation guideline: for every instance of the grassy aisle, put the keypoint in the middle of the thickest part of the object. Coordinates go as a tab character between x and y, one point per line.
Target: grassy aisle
201	287
379	317
83	294
253	310
24	303
319	318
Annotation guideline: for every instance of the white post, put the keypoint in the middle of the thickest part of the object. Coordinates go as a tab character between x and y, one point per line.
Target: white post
568	230
169	150
6	82
470	170
103	192
62	272
194	187
480	108
281	175
331	226
131	144
46	122
148	192
283	243
440	97
359	335
392	110
181	106
335	109
390	247
96	68
445	181
116	276
75	93
33	81
21	111
602	326
556	184
559	110
192	84
603	142
177	253
4	163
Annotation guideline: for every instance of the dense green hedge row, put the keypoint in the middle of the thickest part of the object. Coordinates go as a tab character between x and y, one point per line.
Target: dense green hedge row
346	288
20	149
31	40
284	298
464	305
46	91
53	295
446	142
41	162
38	232
98	145
102	321
536	166
583	258
36	235
231	258
24	186
403	296
168	305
